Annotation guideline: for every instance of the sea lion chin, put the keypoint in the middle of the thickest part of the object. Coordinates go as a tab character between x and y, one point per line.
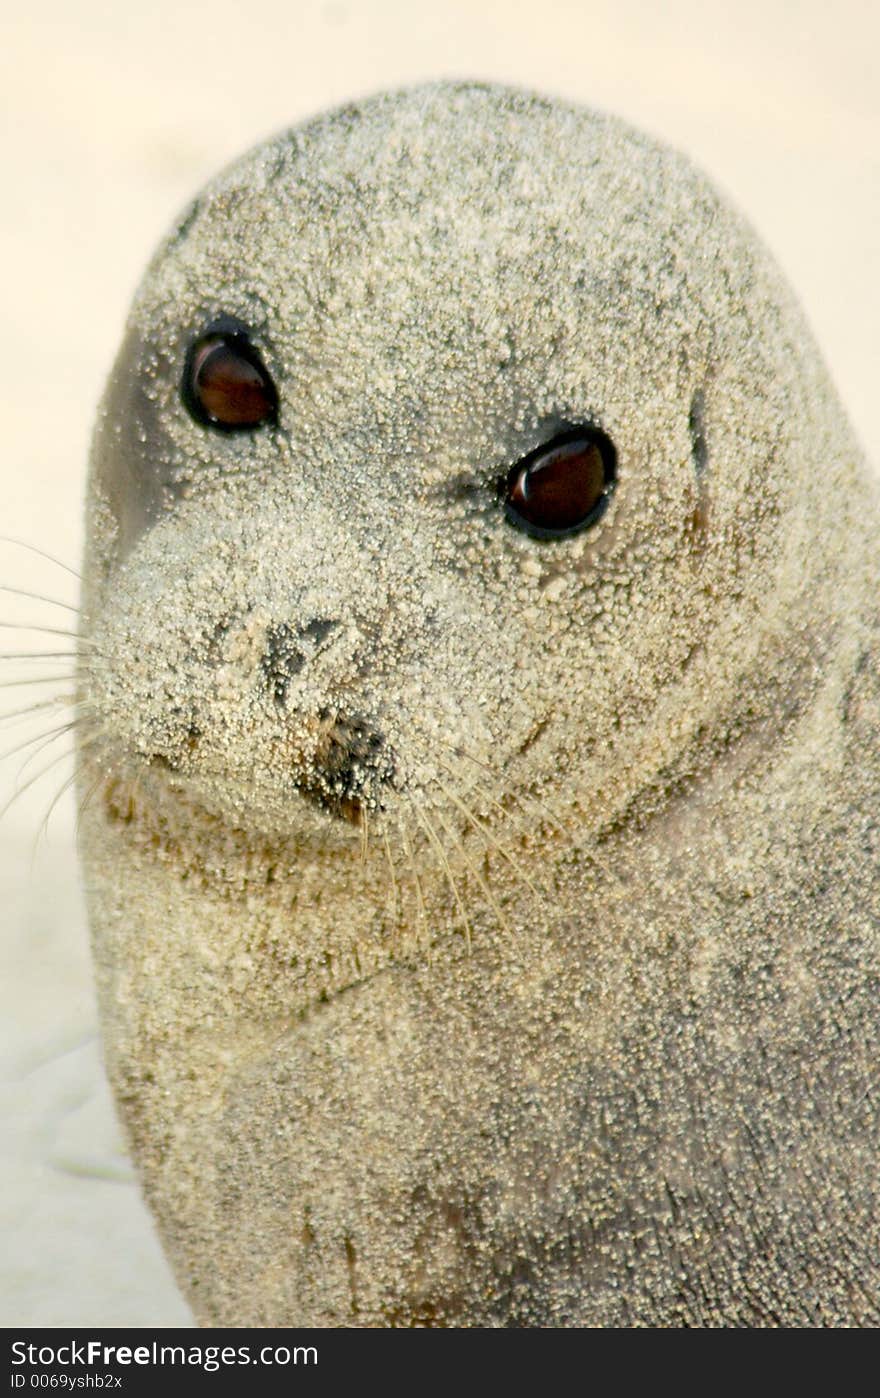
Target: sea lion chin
479	762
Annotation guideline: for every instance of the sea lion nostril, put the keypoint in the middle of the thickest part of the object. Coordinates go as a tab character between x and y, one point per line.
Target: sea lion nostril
318	630
288	648
283	659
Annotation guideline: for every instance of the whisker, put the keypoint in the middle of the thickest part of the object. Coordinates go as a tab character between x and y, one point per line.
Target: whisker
38	655
486	832
48	740
38	597
503	811
460	751
84	801
39	679
20	790
549	815
543	810
98	732
421	911
483	884
134	784
394	894
26	742
56	701
435	841
364	833
31	548
588	851
43	827
46	631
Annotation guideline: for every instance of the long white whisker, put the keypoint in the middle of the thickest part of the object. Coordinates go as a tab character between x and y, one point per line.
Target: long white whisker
549	816
492	800
46	631
26	742
546	813
37	679
38	655
20	790
43	827
57	701
38	597
50	557
98	732
47	742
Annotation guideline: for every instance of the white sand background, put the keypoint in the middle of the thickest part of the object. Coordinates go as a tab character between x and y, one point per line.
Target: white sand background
113	115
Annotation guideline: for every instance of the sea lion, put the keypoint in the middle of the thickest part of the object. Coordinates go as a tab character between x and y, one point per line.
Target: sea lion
479	741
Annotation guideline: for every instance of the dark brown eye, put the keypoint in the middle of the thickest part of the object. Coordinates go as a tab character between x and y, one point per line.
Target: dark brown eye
225	382
563	486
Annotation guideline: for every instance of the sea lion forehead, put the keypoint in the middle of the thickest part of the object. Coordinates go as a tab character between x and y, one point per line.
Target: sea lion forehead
438	147
409	184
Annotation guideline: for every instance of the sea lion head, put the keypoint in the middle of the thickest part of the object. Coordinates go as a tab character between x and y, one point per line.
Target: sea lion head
457	441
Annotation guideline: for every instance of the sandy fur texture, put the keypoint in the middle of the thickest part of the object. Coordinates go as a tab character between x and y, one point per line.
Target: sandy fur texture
577	1024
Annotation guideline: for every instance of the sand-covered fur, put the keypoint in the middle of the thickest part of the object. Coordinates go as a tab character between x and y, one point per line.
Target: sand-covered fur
487	927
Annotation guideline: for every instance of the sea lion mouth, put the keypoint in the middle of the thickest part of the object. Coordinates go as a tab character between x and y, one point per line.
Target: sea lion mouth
320	795
345	767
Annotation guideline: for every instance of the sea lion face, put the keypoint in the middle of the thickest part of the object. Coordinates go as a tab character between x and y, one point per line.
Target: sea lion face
336	602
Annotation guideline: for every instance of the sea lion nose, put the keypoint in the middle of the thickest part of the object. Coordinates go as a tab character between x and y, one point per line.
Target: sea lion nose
289	648
318	630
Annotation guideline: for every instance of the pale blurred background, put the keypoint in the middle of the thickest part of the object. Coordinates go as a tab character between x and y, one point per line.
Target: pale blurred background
113	116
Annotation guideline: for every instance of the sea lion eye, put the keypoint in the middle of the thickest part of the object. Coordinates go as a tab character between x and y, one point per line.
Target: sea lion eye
225	382
563	486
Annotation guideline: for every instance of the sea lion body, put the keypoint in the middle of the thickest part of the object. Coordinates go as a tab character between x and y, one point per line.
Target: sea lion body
487	926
